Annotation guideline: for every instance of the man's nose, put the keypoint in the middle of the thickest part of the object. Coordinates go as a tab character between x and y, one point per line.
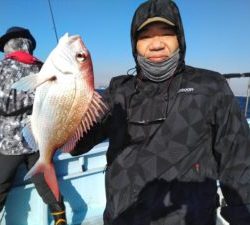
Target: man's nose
156	44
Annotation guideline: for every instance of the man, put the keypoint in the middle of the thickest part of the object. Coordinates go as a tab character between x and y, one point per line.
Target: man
173	130
18	45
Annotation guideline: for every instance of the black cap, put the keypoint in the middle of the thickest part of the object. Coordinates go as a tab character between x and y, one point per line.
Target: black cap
16	32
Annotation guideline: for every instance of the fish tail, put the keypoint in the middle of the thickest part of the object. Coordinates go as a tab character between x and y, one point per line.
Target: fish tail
49	175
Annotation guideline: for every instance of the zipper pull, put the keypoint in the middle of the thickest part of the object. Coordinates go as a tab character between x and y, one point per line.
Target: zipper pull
197	167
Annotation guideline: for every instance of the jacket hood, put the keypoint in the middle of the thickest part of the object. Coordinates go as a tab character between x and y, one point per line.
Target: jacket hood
166	9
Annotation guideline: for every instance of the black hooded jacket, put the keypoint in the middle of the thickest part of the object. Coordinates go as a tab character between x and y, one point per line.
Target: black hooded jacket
170	142
164	9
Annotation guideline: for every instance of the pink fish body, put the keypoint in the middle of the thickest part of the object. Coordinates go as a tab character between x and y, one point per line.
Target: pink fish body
65	105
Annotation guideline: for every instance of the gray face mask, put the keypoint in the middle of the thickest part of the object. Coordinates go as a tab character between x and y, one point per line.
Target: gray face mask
161	71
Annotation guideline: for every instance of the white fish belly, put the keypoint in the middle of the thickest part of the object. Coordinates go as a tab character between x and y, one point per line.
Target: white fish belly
57	112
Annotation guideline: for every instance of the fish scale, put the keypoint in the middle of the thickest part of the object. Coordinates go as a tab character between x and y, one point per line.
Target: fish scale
65	105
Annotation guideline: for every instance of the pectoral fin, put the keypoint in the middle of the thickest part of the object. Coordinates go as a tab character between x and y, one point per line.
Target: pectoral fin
31	82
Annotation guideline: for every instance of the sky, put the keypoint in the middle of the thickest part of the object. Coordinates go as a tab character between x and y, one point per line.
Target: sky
217	32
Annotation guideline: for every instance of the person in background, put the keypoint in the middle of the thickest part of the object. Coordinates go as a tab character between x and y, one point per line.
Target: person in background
173	131
18	45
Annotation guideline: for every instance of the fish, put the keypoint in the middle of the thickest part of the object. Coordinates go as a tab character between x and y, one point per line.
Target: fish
65	105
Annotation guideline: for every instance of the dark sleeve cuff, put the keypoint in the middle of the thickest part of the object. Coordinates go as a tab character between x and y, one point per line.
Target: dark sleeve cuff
236	215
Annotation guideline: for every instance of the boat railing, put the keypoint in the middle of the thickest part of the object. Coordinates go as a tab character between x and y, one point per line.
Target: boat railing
81	181
242	75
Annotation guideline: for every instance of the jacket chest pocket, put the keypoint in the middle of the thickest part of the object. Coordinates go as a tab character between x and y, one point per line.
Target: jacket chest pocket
144	110
144	116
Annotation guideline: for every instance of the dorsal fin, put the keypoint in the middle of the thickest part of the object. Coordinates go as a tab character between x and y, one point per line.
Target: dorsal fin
96	110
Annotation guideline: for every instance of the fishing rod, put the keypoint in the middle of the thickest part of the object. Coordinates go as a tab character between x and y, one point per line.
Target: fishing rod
53	21
247	98
236	75
241	75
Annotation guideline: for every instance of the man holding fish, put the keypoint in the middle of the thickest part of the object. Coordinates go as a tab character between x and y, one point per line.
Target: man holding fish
174	131
18	45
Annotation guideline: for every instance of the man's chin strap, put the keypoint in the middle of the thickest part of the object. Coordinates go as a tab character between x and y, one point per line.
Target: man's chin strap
161	71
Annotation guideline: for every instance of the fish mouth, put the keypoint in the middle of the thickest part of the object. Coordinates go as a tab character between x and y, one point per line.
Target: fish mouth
77	40
75	37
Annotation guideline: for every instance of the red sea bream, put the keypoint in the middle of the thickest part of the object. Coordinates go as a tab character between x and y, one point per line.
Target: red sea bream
65	105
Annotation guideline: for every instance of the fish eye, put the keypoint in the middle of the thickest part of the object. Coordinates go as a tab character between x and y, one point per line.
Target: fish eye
80	57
